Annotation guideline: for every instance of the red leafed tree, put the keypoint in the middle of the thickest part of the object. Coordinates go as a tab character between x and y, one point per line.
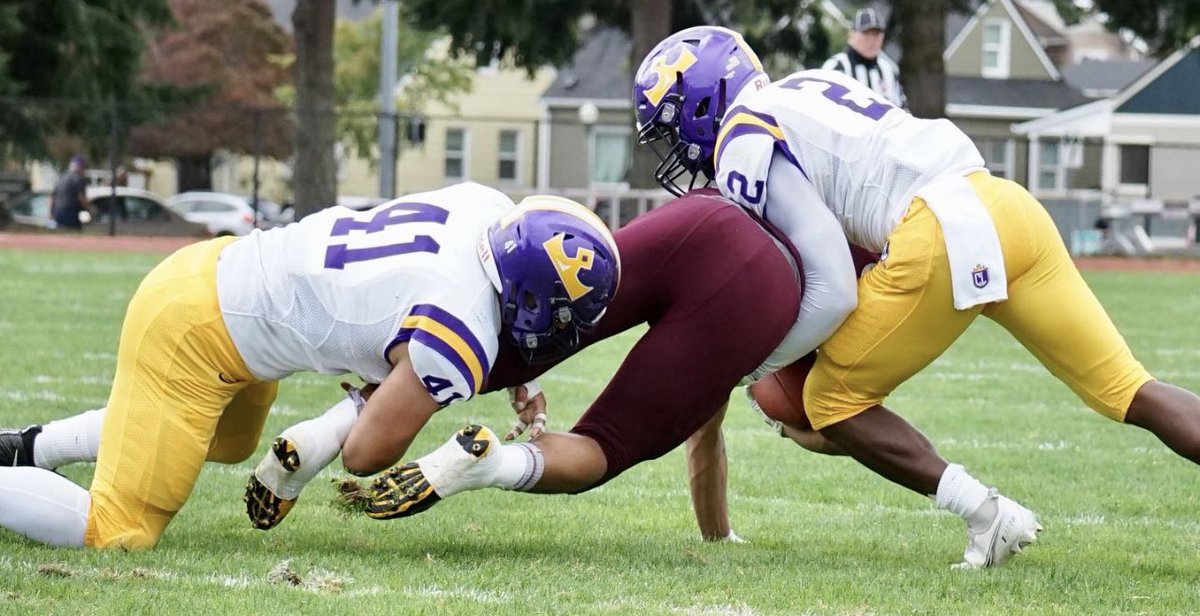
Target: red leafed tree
232	53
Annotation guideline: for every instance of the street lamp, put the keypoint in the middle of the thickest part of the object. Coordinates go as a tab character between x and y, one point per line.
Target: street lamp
588	115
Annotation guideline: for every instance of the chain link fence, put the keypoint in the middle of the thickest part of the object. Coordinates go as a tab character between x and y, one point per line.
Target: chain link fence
247	150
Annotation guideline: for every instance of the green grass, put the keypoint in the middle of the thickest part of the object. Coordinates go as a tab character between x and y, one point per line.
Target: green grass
826	536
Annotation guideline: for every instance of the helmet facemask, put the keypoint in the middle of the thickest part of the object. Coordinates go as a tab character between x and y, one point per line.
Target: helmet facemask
677	156
681	93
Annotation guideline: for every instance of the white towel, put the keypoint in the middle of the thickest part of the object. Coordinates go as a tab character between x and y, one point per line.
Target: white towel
976	261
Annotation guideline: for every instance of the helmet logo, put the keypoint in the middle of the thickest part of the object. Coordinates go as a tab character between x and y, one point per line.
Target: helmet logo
568	268
666	73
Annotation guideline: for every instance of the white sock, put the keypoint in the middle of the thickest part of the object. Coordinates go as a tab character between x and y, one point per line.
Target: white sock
43	506
521	467
963	495
70	440
318	441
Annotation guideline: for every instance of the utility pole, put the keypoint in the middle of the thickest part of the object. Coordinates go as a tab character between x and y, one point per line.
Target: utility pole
387	100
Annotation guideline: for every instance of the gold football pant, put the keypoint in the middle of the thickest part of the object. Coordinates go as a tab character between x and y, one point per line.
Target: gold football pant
906	318
181	395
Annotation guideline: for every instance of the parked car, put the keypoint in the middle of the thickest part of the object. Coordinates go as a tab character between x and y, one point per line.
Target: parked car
226	214
137	212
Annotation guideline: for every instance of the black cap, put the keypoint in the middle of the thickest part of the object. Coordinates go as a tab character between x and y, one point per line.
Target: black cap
867	19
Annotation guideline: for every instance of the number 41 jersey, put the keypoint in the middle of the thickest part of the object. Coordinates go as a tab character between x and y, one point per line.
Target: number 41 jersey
865	157
336	291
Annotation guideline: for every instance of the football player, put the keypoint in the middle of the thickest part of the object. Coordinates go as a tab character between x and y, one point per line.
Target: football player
817	152
413	295
689	267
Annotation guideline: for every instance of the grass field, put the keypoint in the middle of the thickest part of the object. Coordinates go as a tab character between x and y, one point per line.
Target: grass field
825	536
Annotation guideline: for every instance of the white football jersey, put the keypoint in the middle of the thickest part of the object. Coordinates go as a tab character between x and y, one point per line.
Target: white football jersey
865	157
334	292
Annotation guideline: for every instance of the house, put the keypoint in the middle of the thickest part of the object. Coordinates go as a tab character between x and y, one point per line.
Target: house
487	134
1000	70
587	117
1147	135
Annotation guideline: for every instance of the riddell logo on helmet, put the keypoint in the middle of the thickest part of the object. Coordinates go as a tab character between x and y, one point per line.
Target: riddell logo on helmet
568	268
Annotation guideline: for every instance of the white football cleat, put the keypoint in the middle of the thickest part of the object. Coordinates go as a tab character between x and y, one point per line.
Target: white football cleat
468	461
1013	528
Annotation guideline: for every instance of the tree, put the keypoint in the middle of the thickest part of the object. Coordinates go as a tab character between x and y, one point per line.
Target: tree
314	175
86	50
227	54
534	33
1166	25
649	23
920	26
356	77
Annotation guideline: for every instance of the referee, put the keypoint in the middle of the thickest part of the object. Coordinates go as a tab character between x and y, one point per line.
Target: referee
865	61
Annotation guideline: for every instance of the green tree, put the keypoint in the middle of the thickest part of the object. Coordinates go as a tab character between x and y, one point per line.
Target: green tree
86	50
227	54
426	77
535	33
1166	25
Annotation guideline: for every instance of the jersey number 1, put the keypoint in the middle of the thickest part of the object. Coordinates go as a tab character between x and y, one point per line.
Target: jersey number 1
338	255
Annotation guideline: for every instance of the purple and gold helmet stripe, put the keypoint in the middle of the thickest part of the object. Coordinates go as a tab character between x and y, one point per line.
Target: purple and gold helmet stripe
741	43
450	337
561	204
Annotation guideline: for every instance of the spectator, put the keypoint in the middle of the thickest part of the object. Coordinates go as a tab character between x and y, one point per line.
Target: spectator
865	61
69	199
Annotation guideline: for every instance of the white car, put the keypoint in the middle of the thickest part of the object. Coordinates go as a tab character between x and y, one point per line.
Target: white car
137	212
225	214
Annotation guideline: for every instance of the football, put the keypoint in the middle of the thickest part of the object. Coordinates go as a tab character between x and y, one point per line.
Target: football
781	394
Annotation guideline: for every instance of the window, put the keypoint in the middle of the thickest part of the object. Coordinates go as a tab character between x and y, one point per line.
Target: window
1135	164
609	155
456	154
184	206
996	34
213	207
509	156
36	205
1050	171
997	155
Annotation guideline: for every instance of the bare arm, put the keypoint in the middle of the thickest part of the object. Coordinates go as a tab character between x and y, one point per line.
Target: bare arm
391	419
811	440
707	471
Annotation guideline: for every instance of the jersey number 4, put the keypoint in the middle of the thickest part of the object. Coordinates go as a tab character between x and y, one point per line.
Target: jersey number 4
338	255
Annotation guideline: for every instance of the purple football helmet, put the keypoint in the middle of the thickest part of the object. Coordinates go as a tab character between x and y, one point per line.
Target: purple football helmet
681	93
556	268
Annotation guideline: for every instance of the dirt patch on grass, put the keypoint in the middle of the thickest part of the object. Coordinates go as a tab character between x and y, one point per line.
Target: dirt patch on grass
93	243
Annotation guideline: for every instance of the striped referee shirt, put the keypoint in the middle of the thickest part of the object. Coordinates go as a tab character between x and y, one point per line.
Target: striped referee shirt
881	74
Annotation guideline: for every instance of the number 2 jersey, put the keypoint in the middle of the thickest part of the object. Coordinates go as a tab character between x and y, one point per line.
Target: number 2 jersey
336	291
865	157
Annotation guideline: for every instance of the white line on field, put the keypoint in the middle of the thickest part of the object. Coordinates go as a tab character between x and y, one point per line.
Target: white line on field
43	395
